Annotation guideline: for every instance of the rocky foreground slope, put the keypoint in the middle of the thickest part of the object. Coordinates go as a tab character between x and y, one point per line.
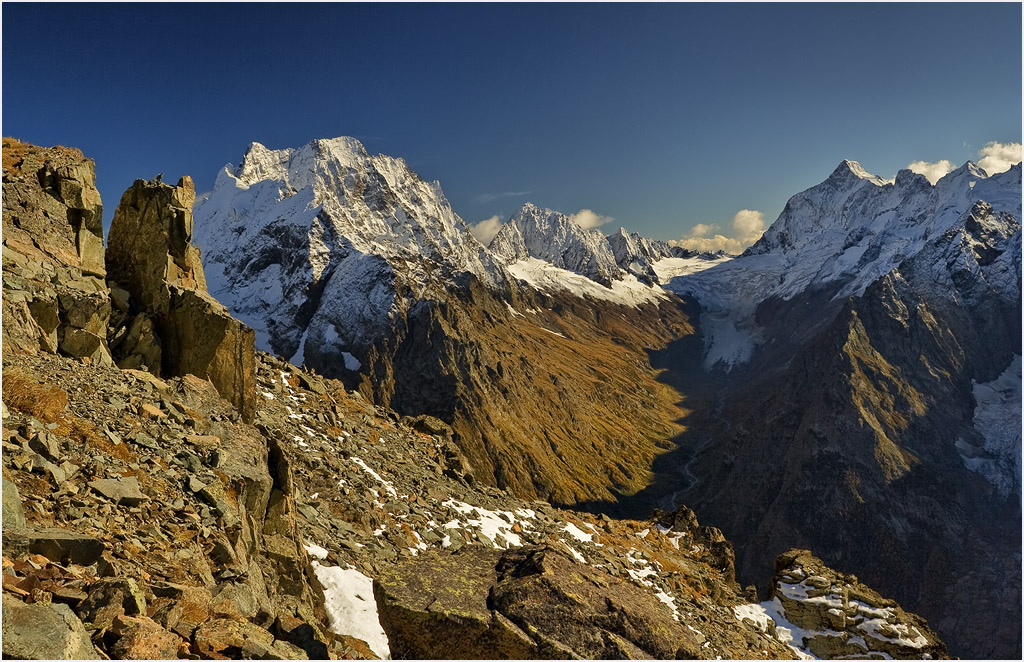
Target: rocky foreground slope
152	514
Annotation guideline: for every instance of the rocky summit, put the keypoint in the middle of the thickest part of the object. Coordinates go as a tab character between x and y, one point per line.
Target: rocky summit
169	491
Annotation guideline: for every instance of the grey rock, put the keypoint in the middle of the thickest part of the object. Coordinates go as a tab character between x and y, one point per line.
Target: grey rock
13	512
44	632
122	491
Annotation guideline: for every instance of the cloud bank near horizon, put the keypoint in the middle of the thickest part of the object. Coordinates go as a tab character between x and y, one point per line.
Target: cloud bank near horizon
747	227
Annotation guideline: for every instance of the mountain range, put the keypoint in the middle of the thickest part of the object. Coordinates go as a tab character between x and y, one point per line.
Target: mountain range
849	385
842	385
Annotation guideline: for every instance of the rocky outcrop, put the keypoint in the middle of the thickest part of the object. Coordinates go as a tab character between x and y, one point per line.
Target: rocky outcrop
55	297
177	327
841	617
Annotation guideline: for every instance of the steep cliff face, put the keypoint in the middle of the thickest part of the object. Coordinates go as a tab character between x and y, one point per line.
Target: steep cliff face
56	297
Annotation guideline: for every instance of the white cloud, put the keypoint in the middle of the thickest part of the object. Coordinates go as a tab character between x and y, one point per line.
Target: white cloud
748	223
747	227
932	171
587	219
998	157
702	230
486	229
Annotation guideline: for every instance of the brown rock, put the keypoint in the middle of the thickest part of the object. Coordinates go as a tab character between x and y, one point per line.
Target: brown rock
190	606
150	251
55	296
55	544
149	246
223	638
43	632
142	639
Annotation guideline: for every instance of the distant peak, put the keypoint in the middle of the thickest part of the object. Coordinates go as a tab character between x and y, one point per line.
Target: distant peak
971	169
848	170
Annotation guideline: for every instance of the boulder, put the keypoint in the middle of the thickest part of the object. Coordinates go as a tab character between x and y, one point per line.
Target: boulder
201	338
223	638
143	639
524	603
122	491
44	632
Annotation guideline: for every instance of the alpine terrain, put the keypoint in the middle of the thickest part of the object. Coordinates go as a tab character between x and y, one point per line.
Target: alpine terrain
850	384
309	415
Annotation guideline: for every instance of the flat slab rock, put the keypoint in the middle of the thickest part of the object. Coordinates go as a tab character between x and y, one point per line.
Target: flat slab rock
527	603
54	544
122	491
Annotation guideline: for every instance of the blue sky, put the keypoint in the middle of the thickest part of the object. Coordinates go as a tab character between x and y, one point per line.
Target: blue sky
660	116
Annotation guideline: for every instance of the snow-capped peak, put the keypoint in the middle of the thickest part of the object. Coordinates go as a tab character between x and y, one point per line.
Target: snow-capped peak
328	221
551	236
848	169
850	229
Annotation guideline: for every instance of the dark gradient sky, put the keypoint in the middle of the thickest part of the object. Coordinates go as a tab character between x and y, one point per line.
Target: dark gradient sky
661	116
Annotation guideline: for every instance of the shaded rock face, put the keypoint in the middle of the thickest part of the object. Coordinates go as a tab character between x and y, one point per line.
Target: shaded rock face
176	323
55	296
870	445
528	603
845	617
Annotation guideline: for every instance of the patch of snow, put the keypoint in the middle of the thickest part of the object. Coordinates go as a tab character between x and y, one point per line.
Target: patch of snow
997	417
351	362
300	354
491	523
576	555
578	533
351	607
316	551
755	613
669	602
546	277
785	631
387	485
